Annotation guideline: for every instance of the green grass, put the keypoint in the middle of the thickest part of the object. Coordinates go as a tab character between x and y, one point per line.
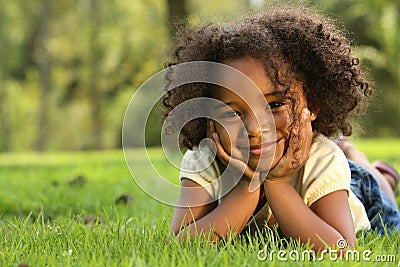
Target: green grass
48	218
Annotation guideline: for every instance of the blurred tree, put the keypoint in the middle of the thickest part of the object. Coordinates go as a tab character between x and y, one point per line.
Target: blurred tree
177	15
17	36
4	118
42	59
376	28
96	53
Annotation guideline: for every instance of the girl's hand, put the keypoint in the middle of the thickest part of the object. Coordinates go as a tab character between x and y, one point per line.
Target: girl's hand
297	152
226	159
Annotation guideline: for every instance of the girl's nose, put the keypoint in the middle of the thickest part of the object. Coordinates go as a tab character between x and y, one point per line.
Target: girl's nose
258	125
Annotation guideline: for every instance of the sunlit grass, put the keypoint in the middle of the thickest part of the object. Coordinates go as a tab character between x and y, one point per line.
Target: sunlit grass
51	217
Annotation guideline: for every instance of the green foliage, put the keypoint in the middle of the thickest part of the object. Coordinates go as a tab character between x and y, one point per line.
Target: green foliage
100	52
97	59
375	29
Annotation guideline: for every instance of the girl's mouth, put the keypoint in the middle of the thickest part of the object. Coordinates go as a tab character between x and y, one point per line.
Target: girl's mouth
260	149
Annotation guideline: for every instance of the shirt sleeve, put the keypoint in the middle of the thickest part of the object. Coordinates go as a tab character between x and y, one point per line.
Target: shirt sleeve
199	166
326	171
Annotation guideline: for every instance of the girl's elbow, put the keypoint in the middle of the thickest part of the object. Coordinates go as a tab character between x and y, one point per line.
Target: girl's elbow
188	233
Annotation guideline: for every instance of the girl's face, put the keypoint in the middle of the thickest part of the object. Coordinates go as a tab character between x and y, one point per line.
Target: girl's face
267	121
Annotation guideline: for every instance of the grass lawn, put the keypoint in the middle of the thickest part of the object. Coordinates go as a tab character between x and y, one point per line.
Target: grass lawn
84	209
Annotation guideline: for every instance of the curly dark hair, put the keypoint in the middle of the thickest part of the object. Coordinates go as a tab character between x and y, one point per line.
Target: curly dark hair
292	43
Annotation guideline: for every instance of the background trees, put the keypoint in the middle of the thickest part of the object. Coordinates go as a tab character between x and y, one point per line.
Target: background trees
374	26
69	68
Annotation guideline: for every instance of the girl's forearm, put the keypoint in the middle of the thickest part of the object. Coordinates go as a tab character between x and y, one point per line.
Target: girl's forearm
296	219
230	216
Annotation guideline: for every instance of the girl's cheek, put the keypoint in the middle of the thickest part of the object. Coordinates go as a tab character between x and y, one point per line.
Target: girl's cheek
283	121
223	137
228	136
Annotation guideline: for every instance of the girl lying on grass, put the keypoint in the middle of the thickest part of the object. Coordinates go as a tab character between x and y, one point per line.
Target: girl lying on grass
304	68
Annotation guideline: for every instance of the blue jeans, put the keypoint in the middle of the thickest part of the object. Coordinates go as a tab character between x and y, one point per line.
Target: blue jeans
381	210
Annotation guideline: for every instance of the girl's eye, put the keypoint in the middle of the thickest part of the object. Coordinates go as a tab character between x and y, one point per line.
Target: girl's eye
276	104
230	114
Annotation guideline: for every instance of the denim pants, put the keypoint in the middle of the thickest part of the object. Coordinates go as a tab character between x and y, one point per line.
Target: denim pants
381	211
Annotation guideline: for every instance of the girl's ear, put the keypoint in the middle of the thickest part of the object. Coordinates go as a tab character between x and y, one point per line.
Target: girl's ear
314	114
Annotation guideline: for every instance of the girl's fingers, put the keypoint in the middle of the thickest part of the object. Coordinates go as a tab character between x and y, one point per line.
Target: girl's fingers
305	133
220	149
226	158
248	172
293	145
302	139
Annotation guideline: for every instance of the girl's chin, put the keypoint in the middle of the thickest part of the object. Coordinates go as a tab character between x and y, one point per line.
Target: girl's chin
261	166
263	163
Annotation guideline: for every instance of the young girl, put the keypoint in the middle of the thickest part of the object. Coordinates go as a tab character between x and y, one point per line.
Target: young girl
304	70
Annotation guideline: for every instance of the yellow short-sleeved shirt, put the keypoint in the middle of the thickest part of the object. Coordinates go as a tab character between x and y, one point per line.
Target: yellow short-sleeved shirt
325	171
